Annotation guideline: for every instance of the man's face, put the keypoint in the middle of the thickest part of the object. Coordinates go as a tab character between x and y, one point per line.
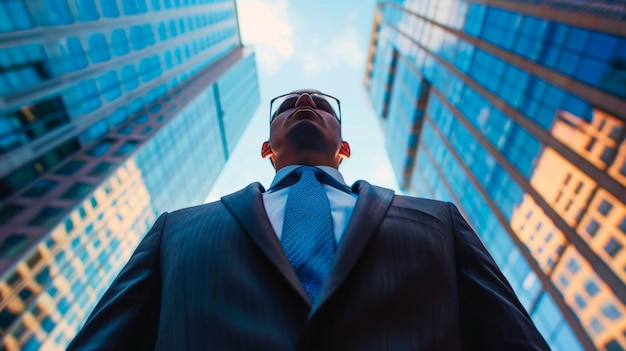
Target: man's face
302	126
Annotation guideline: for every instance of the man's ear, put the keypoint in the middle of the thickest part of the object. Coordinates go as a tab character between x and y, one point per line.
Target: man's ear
344	151
266	150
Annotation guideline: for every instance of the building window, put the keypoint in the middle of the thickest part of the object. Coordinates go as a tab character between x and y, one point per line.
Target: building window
7	317
613	345
608	155
13	245
593	227
22	67
69	225
100	169
87	10
73	54
622	225
33	259
579	215
605	207
7	212
567	179
558	196
141	119
70	168
126	148
573	266
47	324
119	116
11	136
580	301
42	117
32	343
610	311
101	148
126	130
129	77
578	188
591	287
43	276
96	131
19	17
98	48
40	188
597	326
569	205
119	43
612	81
82	213
109	8
612	247
591	144
77	190
23	176
47	217
616	133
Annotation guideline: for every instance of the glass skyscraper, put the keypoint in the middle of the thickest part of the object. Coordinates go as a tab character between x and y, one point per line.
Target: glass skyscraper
515	111
112	111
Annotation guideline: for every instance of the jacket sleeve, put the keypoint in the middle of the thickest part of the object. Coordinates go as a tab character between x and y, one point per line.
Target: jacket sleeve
127	315
492	318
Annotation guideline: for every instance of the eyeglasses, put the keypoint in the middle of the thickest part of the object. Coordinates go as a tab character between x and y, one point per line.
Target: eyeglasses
323	102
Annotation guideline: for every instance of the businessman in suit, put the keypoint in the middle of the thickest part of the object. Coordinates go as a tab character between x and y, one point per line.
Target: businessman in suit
370	271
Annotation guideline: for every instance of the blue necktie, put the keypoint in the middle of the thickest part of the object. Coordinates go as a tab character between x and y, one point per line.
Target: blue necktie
308	238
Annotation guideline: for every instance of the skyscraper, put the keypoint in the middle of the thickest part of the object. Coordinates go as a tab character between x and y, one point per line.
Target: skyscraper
112	112
515	111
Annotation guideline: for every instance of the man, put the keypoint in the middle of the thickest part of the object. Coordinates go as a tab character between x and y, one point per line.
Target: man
252	272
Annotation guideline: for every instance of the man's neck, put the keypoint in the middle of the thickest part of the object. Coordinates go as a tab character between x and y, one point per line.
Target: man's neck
310	160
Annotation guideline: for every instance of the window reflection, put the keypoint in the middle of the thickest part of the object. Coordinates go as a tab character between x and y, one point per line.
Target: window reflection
84	247
586	208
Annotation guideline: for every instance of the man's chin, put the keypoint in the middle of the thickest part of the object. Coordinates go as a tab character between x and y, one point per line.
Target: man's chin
306	134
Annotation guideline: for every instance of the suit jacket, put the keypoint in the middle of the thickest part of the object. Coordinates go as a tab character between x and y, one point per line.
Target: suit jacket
409	274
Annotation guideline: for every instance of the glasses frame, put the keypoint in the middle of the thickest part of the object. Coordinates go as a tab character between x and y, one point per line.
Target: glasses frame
337	113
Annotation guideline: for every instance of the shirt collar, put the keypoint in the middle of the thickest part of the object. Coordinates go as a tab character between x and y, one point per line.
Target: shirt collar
285	171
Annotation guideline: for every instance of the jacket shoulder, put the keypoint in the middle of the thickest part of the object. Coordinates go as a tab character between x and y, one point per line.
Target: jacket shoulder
427	205
211	211
409	207
434	212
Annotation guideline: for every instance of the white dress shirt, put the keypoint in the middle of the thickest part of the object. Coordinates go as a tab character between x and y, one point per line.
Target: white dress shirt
341	202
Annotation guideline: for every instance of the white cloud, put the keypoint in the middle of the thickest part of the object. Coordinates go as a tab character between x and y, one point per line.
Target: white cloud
265	25
344	49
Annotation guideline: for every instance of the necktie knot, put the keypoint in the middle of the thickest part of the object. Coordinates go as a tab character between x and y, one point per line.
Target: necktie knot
307	174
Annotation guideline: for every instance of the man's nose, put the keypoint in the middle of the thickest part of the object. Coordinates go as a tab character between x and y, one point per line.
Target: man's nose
305	100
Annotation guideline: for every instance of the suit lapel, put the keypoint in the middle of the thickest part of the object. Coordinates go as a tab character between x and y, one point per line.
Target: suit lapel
247	207
369	211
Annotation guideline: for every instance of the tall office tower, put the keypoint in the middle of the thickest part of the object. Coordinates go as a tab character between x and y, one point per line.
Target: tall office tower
515	111
112	111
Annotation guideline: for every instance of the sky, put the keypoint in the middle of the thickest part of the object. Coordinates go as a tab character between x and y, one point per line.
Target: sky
321	45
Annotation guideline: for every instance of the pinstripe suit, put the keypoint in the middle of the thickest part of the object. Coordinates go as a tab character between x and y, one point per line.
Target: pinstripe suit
409	274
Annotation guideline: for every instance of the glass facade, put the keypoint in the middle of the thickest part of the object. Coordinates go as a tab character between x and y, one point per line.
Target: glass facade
112	111
515	112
